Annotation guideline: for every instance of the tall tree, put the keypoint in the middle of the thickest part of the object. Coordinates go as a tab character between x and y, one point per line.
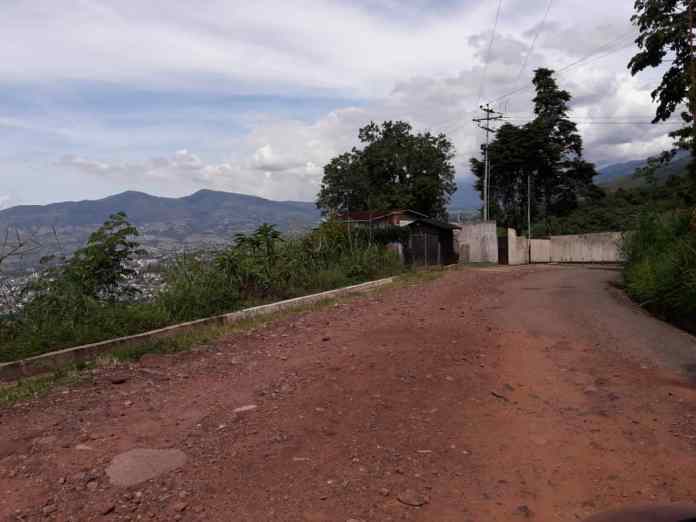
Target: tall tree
512	159
563	177
544	155
663	38
395	169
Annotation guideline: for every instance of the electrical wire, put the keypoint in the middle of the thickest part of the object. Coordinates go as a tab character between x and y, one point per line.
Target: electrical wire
609	47
534	40
488	52
581	121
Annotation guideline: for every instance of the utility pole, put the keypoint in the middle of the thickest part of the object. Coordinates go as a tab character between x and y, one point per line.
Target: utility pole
529	217
490	115
692	70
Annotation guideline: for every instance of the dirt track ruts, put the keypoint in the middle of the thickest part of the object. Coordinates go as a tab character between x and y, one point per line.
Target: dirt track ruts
486	395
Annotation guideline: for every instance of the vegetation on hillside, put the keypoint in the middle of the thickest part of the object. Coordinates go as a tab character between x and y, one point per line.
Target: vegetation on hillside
541	161
660	269
89	297
663	41
620	210
396	169
623	176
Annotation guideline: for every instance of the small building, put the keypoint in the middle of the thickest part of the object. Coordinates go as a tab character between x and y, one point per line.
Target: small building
430	241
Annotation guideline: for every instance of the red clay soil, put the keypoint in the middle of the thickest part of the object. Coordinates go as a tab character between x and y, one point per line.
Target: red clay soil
486	395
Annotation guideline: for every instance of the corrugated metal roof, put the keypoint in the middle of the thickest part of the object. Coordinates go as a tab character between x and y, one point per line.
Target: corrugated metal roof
372	215
435	223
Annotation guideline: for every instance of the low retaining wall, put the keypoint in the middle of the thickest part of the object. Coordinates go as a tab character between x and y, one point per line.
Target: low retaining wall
603	247
477	242
51	361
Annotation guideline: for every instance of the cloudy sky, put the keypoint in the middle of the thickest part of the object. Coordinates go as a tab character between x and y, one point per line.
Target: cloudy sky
171	96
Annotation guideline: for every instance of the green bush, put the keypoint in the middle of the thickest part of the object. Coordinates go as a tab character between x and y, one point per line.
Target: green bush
90	296
660	271
194	288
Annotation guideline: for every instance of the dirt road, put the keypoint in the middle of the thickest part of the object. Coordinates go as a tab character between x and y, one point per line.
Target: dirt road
486	395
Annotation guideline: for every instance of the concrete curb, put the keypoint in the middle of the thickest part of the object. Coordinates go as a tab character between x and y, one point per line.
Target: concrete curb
51	361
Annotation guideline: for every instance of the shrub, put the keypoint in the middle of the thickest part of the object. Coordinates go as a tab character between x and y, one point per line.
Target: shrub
89	297
195	287
660	272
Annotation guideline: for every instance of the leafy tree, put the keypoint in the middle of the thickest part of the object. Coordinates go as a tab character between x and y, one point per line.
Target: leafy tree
102	268
649	171
664	38
252	261
99	271
394	169
511	154
547	152
563	177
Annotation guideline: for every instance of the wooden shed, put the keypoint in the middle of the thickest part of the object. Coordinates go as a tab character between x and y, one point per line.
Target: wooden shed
430	241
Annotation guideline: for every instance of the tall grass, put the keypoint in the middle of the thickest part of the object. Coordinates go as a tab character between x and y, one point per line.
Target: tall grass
255	268
660	272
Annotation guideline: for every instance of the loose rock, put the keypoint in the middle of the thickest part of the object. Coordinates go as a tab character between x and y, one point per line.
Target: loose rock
412	498
138	465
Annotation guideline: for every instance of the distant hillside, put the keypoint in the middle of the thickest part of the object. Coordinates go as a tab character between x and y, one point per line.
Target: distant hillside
621	175
167	224
466	197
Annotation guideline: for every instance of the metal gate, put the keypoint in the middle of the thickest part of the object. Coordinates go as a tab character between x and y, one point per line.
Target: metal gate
503	250
425	249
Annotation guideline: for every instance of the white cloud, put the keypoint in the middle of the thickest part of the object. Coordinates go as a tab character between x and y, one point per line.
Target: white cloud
7	201
403	60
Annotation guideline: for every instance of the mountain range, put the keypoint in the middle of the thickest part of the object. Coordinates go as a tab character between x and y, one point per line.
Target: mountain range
621	175
204	219
211	218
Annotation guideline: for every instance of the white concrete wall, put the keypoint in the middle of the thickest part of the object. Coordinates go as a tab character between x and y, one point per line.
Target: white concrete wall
518	248
480	240
603	247
541	250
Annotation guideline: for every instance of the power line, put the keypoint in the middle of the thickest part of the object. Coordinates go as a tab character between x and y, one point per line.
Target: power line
592	119
490	116
534	40
488	52
590	59
610	46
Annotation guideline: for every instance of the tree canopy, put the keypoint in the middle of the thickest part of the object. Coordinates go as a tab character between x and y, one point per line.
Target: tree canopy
394	169
547	152
664	39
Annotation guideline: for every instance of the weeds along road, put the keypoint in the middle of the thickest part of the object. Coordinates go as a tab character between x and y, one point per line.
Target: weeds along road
485	395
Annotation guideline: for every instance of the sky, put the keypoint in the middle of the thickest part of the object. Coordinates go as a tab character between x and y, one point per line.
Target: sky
172	96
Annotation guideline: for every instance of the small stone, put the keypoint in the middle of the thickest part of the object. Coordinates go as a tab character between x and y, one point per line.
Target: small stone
118	379
384	492
139	465
92	485
49	509
180	507
412	498
590	389
524	511
83	447
248	407
106	508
